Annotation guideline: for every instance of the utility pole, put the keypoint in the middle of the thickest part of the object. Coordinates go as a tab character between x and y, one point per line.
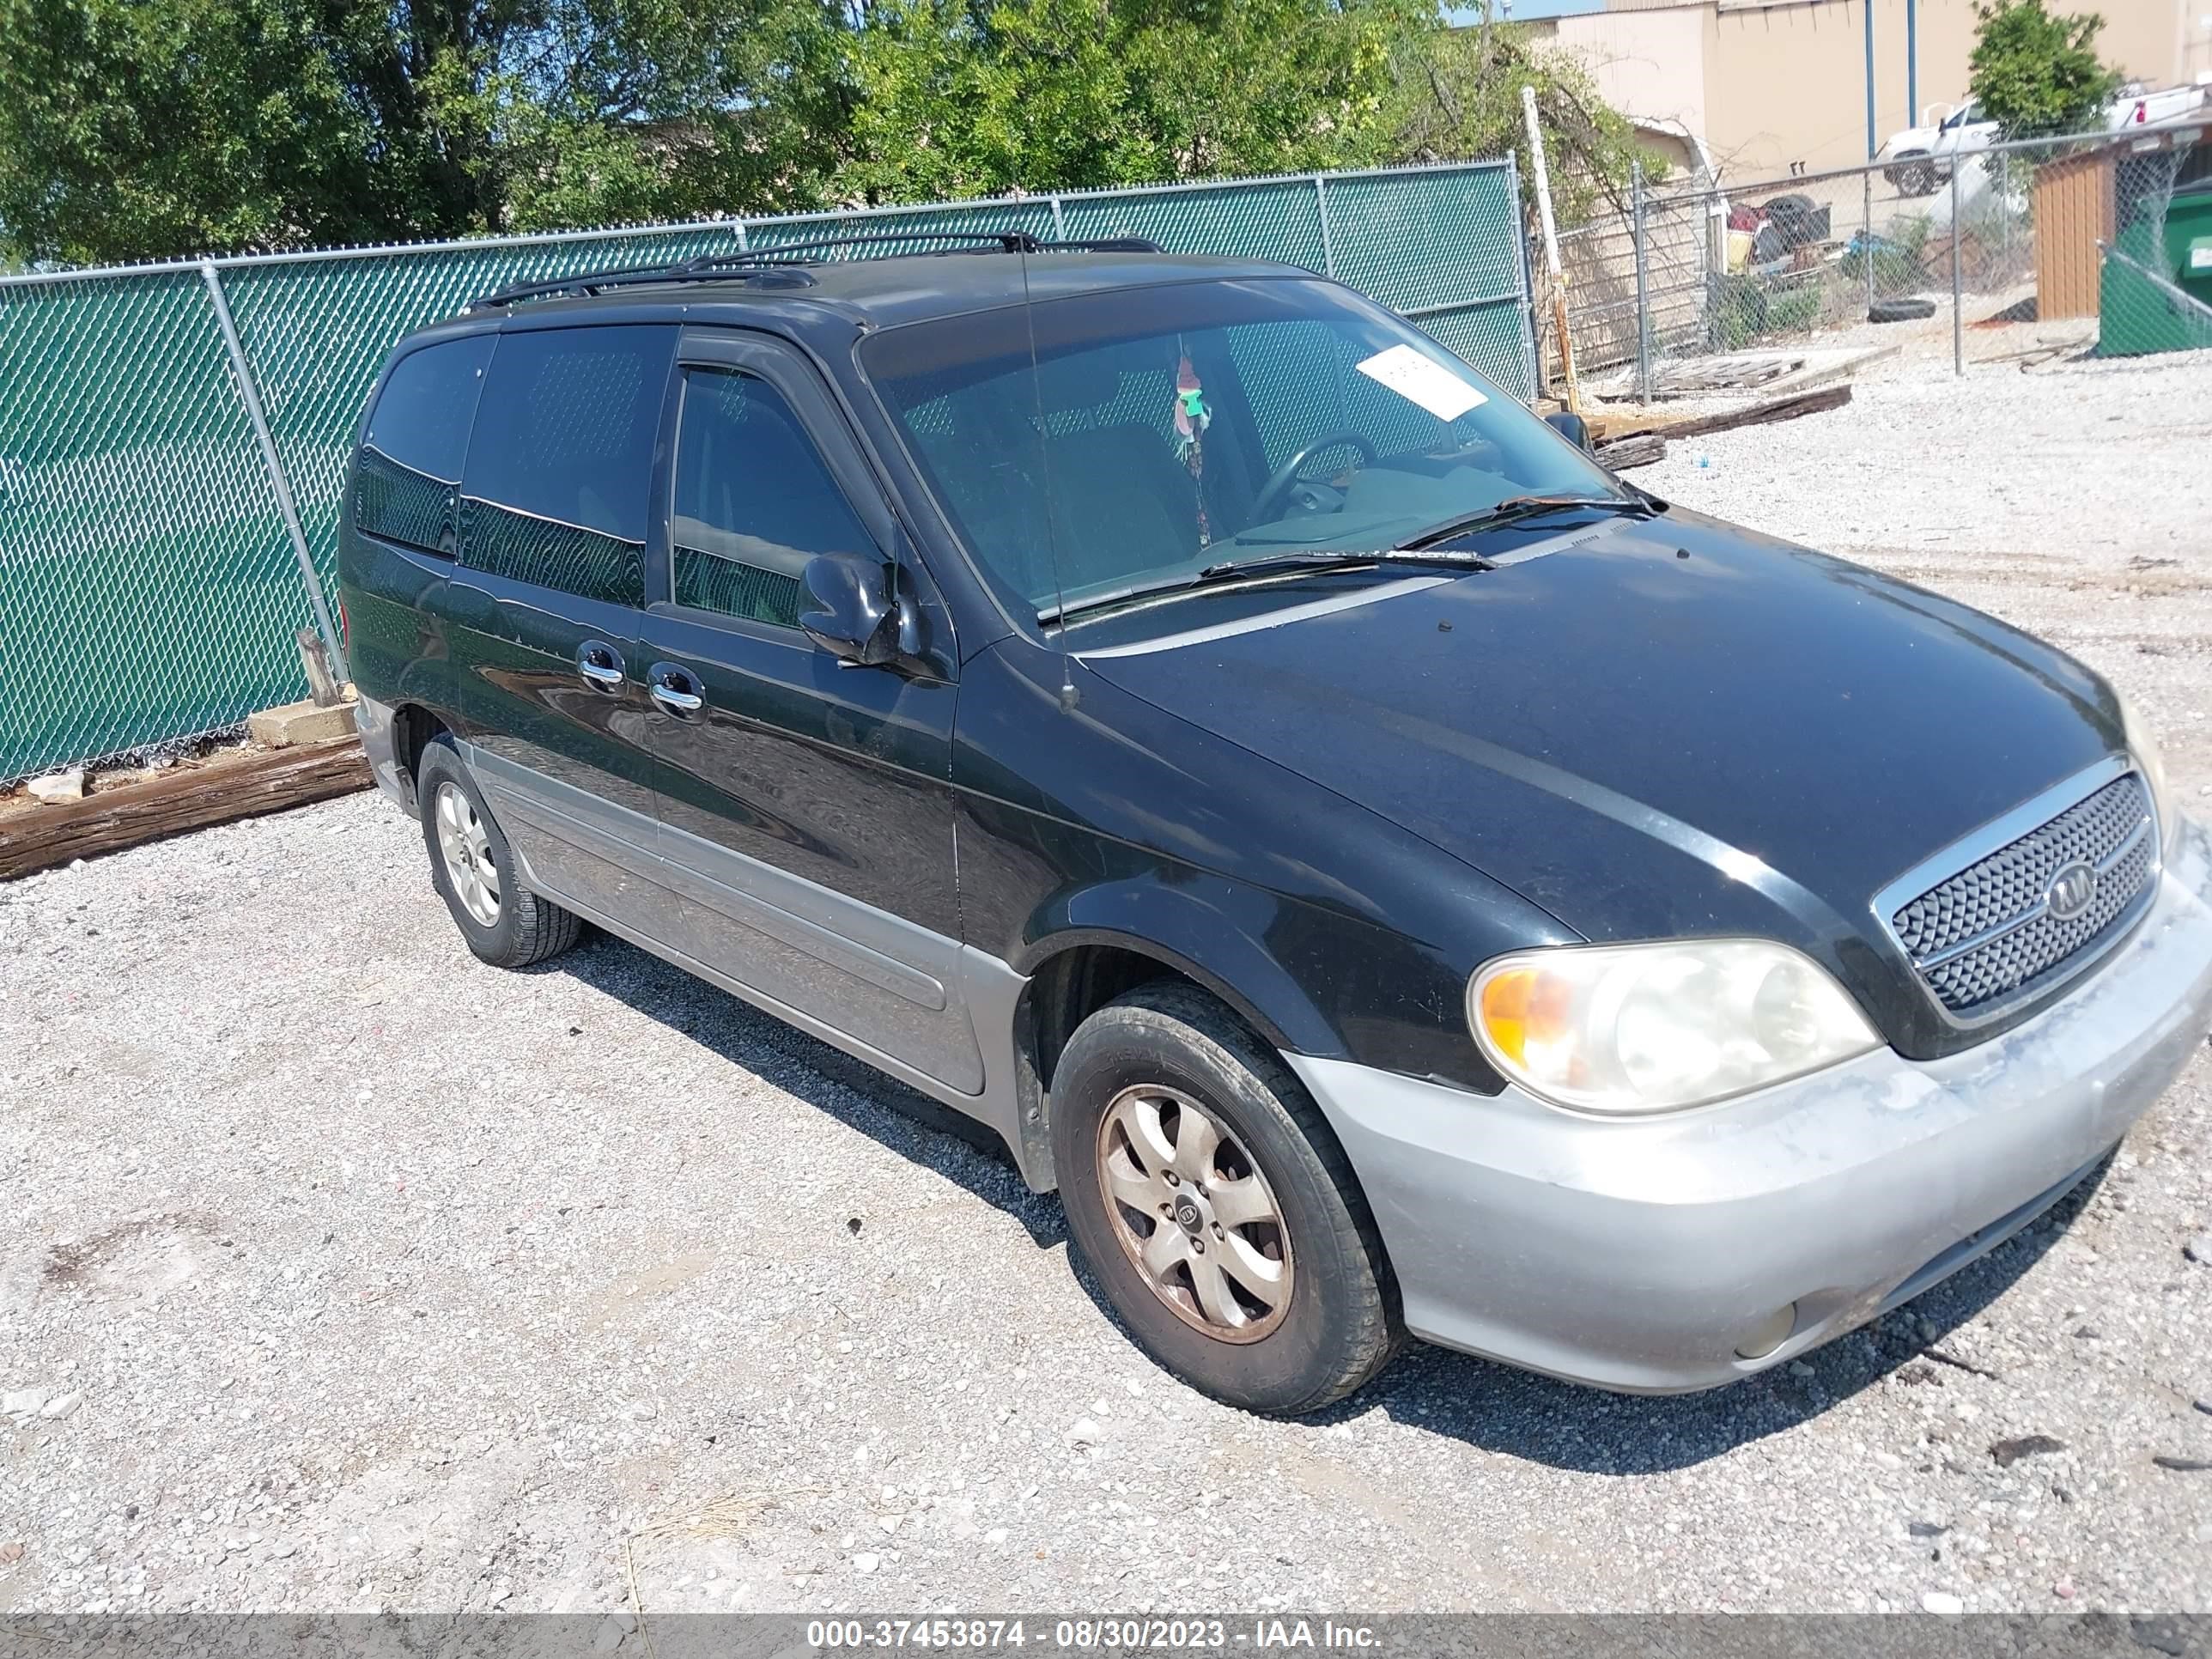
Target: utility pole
1550	248
1911	63
1873	141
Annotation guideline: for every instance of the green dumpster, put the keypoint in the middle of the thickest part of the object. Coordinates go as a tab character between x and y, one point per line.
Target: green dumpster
2137	315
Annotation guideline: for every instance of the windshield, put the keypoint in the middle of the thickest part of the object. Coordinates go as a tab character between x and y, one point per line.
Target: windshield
1166	429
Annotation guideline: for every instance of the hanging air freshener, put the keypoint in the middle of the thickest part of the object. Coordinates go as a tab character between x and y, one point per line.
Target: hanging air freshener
1192	417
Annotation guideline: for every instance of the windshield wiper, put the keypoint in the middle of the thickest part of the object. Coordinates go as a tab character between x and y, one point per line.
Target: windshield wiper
1346	559
1274	564
1513	508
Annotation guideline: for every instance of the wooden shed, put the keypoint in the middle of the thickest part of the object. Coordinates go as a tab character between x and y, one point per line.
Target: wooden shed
2074	211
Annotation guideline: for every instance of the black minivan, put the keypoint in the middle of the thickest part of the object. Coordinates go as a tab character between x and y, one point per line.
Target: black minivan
1388	875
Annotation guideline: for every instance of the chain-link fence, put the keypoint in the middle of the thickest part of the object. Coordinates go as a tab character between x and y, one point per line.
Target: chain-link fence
2100	242
173	438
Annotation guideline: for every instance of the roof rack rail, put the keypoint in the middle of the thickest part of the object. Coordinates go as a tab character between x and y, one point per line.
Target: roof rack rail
986	241
590	282
708	265
1089	244
973	241
1108	245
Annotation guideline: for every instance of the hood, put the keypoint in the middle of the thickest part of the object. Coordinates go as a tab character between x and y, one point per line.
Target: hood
1664	728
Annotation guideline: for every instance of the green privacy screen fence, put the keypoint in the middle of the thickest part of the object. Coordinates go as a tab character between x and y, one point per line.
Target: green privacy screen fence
173	438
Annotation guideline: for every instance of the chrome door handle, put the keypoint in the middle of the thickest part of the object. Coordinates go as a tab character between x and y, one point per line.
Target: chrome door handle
599	663
674	690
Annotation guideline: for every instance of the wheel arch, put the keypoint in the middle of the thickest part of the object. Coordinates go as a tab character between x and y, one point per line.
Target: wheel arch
1080	967
1080	971
414	727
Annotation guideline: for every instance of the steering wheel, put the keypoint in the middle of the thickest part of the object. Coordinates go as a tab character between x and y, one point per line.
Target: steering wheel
1265	505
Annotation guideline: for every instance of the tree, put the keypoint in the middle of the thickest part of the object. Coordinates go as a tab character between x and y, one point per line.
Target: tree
1457	93
2036	73
618	111
977	97
1224	87
130	130
954	99
137	128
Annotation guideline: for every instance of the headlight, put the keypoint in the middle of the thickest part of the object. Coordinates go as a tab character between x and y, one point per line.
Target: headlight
2152	765
1651	1027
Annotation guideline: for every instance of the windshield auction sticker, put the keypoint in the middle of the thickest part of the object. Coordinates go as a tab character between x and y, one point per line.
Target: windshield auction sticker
1431	385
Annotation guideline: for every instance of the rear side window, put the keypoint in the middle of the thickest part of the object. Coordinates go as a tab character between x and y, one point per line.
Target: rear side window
561	463
753	501
418	434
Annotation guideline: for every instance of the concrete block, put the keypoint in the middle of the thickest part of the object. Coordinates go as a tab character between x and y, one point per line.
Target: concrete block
300	722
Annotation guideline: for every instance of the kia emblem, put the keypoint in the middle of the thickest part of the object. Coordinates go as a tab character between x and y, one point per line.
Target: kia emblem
2073	892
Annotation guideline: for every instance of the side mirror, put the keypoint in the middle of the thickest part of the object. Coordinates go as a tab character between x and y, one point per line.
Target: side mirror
1569	426
850	609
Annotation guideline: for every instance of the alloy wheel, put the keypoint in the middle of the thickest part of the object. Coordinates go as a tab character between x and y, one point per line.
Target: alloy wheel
1194	1213
466	849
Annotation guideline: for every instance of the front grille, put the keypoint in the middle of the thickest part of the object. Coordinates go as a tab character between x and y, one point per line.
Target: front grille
1987	932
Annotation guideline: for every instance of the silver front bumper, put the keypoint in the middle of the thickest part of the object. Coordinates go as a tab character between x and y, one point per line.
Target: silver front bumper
1640	1255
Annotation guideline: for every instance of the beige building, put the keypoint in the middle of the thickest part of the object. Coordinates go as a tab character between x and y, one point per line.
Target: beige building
1777	85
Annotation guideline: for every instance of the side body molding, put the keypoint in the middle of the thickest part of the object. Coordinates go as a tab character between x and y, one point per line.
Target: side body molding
935	1014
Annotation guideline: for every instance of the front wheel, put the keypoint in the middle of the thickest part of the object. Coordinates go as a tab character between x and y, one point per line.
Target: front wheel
1223	1221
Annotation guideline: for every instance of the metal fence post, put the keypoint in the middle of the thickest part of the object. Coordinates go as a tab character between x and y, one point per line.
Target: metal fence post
1957	305
1528	335
1866	232
1643	289
1327	233
250	396
1058	222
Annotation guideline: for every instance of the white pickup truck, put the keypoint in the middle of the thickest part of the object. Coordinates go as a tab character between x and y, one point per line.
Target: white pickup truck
1918	160
2138	105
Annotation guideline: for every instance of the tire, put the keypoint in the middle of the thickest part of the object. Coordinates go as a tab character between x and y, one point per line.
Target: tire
1900	311
1914	175
1793	218
1169	1047
517	928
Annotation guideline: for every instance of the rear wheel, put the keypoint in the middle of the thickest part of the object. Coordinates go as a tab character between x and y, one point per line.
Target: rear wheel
1222	1219
473	869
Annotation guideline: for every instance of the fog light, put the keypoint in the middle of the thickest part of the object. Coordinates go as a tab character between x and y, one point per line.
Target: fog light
1770	1333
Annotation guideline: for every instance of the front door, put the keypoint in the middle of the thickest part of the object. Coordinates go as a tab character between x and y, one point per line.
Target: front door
805	814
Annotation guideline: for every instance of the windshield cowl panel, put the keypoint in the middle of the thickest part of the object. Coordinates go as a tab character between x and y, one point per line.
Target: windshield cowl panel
1267	602
1112	447
1512	533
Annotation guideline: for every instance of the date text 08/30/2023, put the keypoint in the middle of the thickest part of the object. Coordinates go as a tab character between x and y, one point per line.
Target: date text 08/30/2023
1107	1633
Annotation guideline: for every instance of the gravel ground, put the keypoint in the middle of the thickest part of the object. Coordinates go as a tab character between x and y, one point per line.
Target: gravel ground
342	1273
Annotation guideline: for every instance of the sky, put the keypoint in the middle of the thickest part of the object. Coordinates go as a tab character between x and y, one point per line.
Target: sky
1522	10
